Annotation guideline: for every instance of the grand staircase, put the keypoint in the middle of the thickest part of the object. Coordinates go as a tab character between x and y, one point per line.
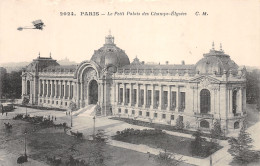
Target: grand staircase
89	110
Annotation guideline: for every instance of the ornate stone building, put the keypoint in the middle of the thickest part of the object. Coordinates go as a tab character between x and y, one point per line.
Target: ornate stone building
213	88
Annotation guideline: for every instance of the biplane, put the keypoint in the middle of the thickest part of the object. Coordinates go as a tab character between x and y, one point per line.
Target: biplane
37	24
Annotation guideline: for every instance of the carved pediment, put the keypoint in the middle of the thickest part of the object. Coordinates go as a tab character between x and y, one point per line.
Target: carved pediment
205	81
27	74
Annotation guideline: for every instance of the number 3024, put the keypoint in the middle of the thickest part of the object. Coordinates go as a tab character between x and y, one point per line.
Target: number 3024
67	14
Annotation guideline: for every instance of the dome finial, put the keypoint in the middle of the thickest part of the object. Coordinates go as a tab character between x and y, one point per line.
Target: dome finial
213	46
39	54
109	38
50	54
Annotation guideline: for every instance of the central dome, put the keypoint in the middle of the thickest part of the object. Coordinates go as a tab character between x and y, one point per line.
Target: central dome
110	55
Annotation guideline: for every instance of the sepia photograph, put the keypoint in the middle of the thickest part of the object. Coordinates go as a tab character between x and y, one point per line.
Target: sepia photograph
129	83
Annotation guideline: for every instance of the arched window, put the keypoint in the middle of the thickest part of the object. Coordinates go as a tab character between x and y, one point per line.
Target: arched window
234	102
28	87
204	124
236	125
204	101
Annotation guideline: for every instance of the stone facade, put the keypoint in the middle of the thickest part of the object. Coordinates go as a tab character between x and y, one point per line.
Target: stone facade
212	89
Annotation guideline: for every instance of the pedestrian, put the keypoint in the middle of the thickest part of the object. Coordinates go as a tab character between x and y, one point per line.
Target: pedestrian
55	118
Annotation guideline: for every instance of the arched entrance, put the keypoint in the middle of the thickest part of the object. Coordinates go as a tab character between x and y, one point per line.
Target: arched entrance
28	87
93	92
204	124
204	101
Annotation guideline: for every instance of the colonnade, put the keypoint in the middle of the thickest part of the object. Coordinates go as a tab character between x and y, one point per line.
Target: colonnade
60	89
153	96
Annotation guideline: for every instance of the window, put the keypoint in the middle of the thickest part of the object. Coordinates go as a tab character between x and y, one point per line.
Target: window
181	118
163	116
52	102
65	103
44	101
157	96
147	114
60	103
172	117
155	115
142	97
204	101
57	102
133	112
149	97
140	113
126	111
120	95
127	96
236	125
134	96
173	100
119	110
165	98
40	100
182	106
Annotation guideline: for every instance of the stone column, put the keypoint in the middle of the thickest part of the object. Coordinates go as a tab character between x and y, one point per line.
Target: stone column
240	100
117	94
60	82
130	95
160	97
43	86
230	101
82	94
51	83
69	95
178	98
152	97
244	99
124	94
48	91
65	90
169	98
56	89
40	84
145	96
137	95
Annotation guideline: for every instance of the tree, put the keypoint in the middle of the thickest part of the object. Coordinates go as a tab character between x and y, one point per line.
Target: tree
167	158
179	124
216	132
252	87
197	144
12	85
72	107
98	153
25	102
240	148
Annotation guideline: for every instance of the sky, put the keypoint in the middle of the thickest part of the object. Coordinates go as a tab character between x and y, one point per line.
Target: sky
234	23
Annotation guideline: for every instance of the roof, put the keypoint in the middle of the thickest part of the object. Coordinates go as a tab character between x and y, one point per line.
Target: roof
63	68
157	66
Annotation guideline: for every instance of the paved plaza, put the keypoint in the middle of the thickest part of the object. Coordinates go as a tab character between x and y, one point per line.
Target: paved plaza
85	125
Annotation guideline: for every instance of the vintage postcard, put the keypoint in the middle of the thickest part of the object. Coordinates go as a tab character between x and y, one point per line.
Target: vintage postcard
129	82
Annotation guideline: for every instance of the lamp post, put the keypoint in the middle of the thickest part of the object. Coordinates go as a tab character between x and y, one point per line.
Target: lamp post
94	118
70	118
25	143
